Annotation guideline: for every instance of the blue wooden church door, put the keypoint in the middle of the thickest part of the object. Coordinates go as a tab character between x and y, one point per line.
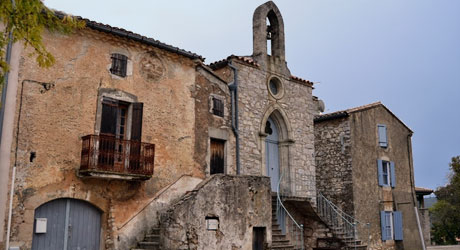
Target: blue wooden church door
272	153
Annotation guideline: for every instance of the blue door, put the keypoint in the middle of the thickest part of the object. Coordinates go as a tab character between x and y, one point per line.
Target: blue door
70	225
272	153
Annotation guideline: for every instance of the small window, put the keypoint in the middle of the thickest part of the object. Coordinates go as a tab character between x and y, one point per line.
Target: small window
382	130
386	172
217	107
119	64
391	225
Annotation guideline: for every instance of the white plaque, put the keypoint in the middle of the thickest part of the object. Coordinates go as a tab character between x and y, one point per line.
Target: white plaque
212	224
40	225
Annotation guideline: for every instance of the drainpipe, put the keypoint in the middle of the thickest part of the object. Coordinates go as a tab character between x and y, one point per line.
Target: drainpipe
5	82
7	112
234	99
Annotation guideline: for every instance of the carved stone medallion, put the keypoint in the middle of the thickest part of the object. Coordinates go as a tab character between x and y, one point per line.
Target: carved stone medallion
151	67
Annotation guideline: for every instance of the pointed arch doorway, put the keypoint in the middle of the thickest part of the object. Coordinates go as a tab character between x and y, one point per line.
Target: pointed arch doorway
272	156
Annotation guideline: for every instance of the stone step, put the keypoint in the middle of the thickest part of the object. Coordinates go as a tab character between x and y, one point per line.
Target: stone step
149	245
329	242
283	247
278	237
280	242
152	237
155	230
357	247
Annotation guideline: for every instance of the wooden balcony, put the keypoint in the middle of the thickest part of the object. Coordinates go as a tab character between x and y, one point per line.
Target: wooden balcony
105	156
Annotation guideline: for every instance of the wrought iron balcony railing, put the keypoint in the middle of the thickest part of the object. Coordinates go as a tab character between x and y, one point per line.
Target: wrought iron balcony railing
109	157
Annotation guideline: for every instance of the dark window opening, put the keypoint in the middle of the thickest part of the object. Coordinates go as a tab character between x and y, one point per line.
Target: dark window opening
119	65
258	238
273	87
217	107
268	128
217	156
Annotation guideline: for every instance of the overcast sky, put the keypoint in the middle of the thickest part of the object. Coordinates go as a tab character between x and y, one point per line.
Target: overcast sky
404	53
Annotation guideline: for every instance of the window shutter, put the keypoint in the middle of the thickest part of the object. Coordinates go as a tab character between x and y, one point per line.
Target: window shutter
109	116
383	225
136	121
380	172
383	142
397	217
393	174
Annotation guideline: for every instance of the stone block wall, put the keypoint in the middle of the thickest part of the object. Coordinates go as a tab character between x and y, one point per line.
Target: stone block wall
59	106
334	162
294	107
237	203
211	126
425	221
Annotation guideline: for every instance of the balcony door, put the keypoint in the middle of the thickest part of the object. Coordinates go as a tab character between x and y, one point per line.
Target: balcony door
119	145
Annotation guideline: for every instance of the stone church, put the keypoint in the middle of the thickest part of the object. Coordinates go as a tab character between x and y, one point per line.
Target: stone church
130	143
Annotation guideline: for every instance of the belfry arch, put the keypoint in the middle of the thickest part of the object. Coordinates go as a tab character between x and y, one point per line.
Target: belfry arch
268	28
275	138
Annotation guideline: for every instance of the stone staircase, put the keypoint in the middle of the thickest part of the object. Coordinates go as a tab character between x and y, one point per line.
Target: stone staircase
279	240
150	241
326	240
337	220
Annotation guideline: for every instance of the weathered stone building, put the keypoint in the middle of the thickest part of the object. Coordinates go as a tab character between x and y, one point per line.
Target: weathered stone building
127	142
364	165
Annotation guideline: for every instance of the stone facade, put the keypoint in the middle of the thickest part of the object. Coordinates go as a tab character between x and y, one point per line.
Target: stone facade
366	198
60	105
185	226
334	176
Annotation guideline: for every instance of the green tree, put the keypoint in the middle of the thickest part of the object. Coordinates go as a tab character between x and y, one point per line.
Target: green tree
446	212
27	19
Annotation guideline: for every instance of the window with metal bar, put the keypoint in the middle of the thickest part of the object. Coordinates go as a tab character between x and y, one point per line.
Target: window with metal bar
119	64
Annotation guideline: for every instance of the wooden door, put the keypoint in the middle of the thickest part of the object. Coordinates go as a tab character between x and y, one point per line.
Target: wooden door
272	153
217	162
71	225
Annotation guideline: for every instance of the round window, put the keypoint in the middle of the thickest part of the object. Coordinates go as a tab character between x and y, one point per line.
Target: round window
275	88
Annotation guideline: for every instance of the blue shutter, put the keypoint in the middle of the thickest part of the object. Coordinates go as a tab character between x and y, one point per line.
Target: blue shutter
393	174
383	142
380	172
397	217
383	225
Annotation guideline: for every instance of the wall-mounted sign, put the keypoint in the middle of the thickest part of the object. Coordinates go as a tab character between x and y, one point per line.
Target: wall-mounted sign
40	225
212	224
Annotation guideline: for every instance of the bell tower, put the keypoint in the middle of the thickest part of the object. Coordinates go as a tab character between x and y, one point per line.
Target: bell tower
268	38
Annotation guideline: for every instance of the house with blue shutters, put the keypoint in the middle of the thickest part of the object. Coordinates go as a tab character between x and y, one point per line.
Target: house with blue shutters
364	166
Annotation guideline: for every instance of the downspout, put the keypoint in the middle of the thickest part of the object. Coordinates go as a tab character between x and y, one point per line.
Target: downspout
414	200
8	100
234	102
5	81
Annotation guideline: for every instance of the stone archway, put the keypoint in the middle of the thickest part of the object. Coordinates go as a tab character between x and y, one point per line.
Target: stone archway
275	148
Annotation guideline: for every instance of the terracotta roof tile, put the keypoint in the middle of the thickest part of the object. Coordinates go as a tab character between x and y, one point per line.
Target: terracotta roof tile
423	190
346	112
132	36
301	80
221	63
